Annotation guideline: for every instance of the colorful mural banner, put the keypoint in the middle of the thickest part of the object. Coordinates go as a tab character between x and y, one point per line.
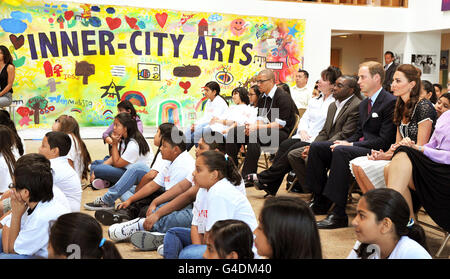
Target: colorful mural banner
82	60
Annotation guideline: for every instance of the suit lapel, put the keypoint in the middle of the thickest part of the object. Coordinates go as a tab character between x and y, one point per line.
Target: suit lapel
376	105
330	117
346	105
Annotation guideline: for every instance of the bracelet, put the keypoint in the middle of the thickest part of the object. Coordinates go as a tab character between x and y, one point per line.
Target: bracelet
420	148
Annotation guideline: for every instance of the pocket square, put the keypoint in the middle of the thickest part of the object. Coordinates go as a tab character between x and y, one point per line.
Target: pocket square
374	115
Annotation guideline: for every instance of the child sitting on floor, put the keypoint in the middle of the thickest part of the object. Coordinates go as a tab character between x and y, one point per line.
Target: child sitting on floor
173	149
33	207
229	239
217	199
55	147
78	156
129	147
79	236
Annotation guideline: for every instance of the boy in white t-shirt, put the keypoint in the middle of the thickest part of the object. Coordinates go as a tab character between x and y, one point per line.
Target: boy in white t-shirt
173	149
33	208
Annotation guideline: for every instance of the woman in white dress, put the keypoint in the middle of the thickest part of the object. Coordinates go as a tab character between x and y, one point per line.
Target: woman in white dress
415	119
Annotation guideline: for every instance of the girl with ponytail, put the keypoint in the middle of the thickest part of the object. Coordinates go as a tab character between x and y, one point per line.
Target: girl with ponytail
219	198
385	230
79	236
129	147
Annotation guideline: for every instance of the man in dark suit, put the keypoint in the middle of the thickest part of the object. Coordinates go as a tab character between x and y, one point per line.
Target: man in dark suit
390	67
376	130
339	125
276	119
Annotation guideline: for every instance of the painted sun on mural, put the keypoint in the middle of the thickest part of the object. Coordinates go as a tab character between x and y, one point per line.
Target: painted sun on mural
82	60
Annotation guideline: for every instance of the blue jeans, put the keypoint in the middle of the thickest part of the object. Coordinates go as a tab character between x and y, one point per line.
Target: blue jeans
106	172
193	137
132	176
180	218
5	256
178	245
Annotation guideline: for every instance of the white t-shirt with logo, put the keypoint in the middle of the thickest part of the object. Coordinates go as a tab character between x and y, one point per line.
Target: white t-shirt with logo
131	154
406	248
179	169
221	202
68	181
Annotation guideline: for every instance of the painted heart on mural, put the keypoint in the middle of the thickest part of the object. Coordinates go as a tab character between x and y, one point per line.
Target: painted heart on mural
161	19
17	41
132	22
113	23
185	85
68	15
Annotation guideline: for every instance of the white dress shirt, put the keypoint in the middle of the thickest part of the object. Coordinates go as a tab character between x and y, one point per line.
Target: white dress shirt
314	117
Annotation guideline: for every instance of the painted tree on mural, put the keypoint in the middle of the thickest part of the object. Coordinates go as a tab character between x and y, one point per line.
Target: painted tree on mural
36	104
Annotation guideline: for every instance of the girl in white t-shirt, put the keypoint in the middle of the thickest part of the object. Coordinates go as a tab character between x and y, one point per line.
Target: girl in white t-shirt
216	106
229	239
129	147
7	158
384	229
237	115
217	199
78	156
283	219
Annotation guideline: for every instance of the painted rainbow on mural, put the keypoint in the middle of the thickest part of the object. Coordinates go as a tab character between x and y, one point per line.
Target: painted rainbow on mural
135	97
200	106
170	111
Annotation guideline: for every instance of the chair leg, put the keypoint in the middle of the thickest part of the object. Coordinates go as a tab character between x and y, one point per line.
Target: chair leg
447	237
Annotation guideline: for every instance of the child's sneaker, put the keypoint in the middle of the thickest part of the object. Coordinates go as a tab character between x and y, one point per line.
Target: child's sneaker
112	216
98	204
122	231
147	241
161	250
100	184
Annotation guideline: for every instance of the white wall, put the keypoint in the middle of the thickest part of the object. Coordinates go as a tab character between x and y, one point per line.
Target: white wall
356	49
321	19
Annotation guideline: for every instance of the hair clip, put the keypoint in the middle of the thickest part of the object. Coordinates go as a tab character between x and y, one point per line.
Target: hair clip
102	242
410	223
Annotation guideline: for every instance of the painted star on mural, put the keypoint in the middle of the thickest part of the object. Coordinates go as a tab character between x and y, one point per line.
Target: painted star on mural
293	30
112	90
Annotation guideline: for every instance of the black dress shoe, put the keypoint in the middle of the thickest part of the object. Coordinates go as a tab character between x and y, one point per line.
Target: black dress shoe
112	216
265	188
333	222
320	206
248	180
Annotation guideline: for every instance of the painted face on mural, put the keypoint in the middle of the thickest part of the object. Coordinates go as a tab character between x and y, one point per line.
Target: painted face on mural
237	26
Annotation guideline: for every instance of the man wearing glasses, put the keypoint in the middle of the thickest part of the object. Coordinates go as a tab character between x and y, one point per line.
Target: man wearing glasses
276	119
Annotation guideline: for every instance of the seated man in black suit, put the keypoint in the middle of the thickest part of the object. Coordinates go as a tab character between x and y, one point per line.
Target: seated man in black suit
376	130
276	119
338	125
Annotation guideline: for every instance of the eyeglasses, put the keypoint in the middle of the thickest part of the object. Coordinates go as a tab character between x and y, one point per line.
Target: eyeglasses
261	81
251	94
